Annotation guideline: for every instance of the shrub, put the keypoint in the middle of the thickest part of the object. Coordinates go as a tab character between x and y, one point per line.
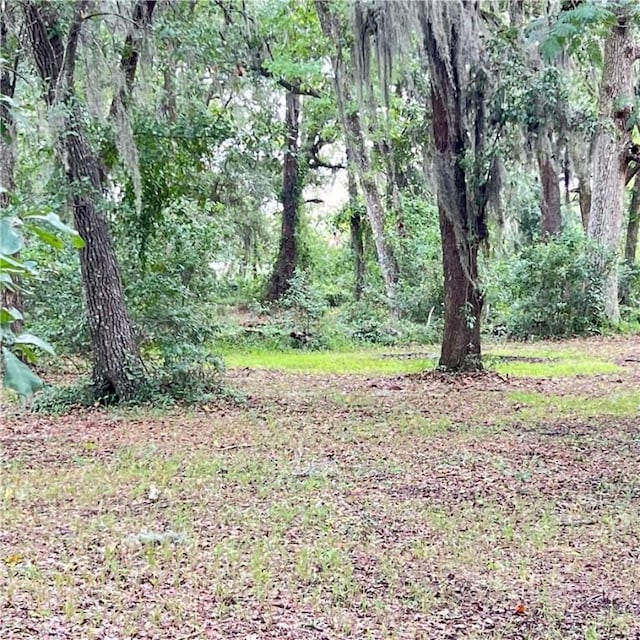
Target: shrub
550	289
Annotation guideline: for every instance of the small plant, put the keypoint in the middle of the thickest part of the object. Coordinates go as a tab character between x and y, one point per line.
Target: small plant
307	306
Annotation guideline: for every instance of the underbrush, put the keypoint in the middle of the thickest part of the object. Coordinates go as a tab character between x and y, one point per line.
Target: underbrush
181	383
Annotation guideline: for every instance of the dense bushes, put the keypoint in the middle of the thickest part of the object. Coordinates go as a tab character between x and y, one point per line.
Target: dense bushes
548	289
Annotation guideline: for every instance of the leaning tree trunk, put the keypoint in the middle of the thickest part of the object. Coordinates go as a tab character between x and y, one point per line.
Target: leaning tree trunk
117	367
356	229
355	142
550	212
288	251
610	159
461	212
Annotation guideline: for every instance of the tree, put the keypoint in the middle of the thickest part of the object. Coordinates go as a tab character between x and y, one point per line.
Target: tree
357	150
458	93
611	153
117	366
631	243
287	260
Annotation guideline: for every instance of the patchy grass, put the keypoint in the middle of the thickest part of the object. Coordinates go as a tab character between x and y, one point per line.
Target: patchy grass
370	362
537	405
516	360
333	506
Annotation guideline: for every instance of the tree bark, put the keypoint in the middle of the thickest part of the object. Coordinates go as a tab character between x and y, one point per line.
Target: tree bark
288	251
610	158
550	211
631	244
117	366
460	208
355	142
357	232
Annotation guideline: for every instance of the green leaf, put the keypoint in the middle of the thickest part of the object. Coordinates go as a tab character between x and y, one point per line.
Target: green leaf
28	338
19	377
10	265
50	238
54	220
550	48
10	239
9	315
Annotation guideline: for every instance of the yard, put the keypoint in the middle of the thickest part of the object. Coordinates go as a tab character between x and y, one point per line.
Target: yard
319	503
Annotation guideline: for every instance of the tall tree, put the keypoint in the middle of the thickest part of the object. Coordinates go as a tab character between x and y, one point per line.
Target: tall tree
288	250
356	230
611	149
117	367
451	35
358	150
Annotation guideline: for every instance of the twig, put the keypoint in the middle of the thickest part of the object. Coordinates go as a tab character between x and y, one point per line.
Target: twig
235	446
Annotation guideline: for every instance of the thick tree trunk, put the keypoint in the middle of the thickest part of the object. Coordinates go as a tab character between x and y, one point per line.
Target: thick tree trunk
462	225
462	305
356	228
550	212
357	146
288	251
610	159
117	367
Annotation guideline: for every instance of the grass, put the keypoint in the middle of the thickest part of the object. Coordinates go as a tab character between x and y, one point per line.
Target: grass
333	507
535	405
538	362
366	362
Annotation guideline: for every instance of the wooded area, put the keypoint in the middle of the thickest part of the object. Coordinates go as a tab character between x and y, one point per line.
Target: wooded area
435	169
320	319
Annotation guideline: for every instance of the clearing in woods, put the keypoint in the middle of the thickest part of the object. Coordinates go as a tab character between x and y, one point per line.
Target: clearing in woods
336	505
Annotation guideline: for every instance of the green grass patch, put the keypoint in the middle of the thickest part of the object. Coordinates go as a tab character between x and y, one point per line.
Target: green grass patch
545	362
551	365
331	362
535	405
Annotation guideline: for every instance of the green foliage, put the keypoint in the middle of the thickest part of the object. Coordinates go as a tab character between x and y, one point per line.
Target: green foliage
576	30
14	269
304	300
55	308
421	293
60	400
187	382
549	290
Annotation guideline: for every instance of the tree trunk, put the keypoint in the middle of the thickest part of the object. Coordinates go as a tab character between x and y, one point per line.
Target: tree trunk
288	251
8	152
355	225
584	199
355	142
462	305
461	213
610	159
117	367
550	212
631	244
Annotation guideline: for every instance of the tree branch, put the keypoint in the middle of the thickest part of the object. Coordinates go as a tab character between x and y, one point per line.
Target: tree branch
294	87
72	43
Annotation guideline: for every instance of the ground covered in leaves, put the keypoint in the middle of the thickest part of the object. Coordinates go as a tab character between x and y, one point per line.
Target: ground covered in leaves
329	506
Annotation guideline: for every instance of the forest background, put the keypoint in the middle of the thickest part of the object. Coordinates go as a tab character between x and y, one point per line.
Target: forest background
183	179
